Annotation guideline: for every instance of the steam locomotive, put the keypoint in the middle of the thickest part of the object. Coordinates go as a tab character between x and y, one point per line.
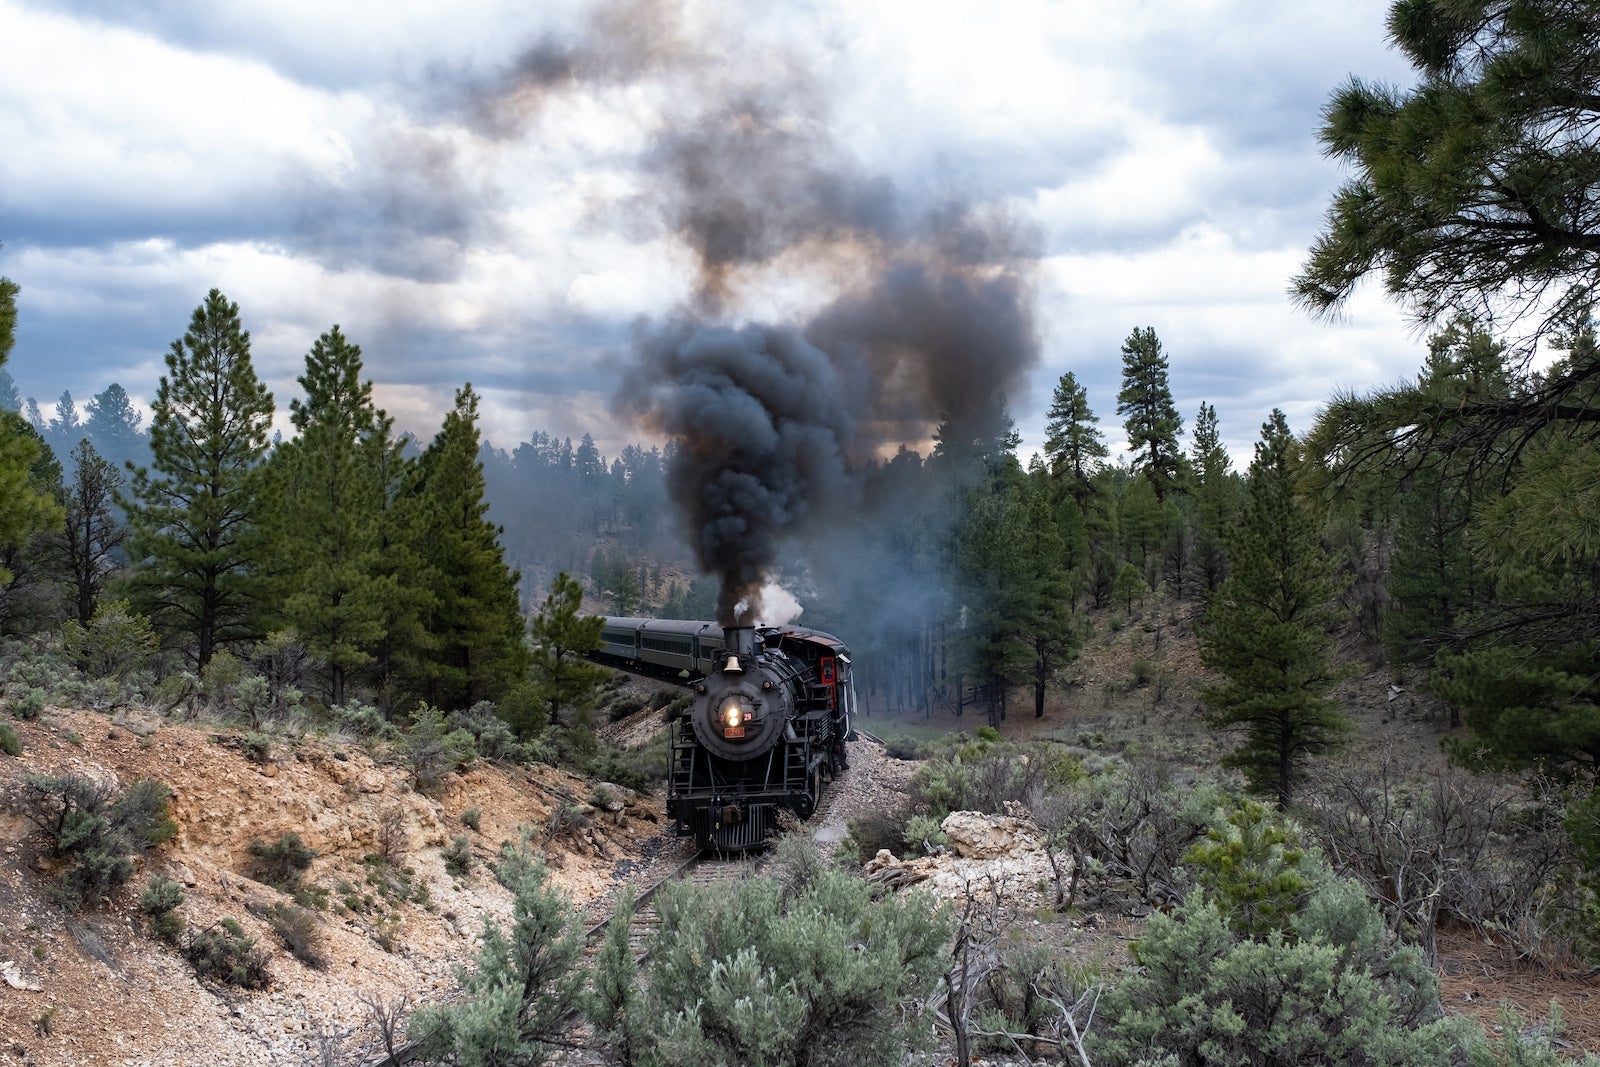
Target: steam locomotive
772	710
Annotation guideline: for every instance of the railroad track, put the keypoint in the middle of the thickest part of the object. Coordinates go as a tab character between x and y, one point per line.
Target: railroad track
702	868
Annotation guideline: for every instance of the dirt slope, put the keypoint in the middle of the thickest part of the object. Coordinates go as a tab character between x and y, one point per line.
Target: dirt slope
92	988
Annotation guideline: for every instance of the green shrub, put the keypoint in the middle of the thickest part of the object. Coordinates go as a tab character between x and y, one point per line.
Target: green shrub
566	820
492	736
904	748
117	641
516	1000
219	680
256	747
923	834
635	768
159	903
435	751
458	857
984	776
1222	979
1254	868
942	785
744	974
612	998
297	928
224	953
98	829
31	704
1132	826
620	707
281	863
524	711
472	817
10	743
365	721
1510	1046
873	831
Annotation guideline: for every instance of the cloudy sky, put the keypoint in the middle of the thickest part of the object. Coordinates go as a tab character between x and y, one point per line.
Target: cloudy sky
509	193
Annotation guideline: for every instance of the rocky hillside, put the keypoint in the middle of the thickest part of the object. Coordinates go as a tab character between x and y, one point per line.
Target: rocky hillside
94	987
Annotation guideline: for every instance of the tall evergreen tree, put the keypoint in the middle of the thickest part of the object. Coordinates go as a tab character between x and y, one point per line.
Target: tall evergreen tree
112	423
1153	422
565	684
1048	621
91	539
194	514
33	416
25	506
1522	667
329	498
1143	518
1267	629
65	430
1215	500
476	621
404	573
1072	438
1432	580
10	399
1476	189
975	464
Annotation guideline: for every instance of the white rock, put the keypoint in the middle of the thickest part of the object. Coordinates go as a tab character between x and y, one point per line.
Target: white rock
13	977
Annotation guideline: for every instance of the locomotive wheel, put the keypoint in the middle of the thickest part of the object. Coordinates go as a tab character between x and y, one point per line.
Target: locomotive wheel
807	803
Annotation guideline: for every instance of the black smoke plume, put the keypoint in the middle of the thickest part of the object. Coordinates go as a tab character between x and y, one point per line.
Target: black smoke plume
927	315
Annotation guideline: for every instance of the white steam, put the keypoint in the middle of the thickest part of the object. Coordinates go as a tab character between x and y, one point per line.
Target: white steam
775	605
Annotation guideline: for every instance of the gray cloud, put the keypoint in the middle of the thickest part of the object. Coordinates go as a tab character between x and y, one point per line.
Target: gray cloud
749	144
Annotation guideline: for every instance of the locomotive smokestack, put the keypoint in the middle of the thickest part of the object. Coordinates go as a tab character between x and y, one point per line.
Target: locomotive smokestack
740	642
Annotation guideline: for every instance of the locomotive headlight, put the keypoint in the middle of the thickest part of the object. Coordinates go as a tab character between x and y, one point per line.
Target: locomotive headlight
732	715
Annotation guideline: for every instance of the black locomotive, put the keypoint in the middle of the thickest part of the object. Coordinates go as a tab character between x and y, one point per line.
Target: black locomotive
772	710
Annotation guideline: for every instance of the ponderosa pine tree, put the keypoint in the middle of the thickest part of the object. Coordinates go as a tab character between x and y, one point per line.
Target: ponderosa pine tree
194	514
1049	623
1266	631
1153	422
1523	666
1215	494
565	685
25	507
112	424
328	502
66	429
1476	190
1143	520
479	649
1072	438
92	534
10	399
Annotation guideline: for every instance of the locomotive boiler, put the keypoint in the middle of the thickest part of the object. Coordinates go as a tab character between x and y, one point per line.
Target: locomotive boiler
767	727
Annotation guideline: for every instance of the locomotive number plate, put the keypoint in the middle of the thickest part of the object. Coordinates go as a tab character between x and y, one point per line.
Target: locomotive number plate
733	731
